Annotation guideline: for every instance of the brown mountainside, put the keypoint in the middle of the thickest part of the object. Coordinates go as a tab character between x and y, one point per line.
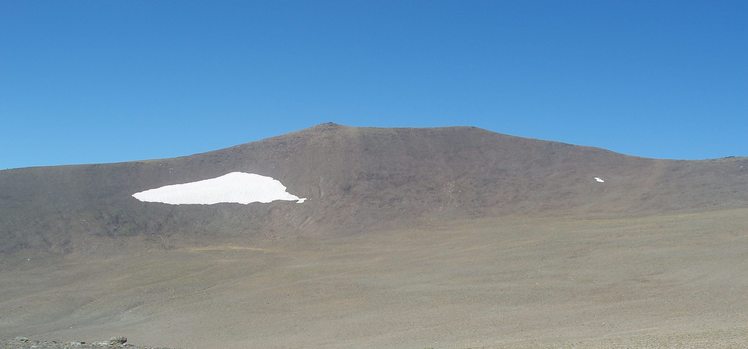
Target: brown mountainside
358	179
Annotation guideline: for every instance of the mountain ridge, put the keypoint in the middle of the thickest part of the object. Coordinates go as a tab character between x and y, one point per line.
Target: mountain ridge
332	125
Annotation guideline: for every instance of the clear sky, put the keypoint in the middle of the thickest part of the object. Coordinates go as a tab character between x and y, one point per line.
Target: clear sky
106	81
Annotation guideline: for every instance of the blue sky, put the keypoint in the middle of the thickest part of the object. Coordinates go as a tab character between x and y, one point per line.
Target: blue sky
106	81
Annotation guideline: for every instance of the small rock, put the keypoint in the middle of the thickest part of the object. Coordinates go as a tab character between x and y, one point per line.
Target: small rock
118	340
22	339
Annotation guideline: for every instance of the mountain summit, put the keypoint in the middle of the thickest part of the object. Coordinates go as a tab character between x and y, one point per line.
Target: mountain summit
354	180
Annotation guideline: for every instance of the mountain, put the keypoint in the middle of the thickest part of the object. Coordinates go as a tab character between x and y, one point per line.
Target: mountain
357	180
345	237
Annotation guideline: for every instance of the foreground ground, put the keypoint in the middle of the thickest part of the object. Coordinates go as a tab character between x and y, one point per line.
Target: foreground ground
27	343
667	281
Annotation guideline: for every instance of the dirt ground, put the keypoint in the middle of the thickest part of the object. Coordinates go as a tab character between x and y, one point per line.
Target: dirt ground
659	281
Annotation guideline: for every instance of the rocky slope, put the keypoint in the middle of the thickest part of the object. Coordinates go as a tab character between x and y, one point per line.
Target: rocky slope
26	343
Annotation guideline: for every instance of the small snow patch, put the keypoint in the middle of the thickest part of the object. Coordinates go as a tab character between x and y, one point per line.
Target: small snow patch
599	180
235	187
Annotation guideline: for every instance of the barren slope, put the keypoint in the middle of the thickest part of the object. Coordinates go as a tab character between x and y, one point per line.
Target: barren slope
356	180
656	282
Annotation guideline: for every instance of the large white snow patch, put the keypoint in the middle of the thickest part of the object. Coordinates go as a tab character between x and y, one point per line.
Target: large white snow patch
235	187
